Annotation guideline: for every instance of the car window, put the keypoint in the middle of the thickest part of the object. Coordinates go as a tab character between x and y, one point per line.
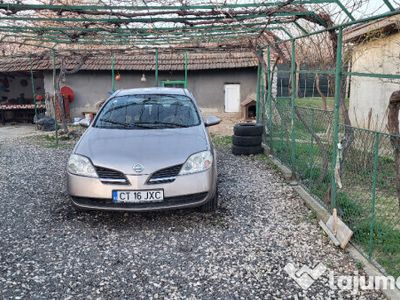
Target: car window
147	112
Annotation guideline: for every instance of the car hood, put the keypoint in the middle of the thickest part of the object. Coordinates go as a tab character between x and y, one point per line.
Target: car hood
154	149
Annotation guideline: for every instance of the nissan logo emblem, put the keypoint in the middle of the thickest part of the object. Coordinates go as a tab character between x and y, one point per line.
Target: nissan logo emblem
138	168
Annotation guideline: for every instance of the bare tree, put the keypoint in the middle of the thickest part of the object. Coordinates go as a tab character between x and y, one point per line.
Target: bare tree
79	62
316	53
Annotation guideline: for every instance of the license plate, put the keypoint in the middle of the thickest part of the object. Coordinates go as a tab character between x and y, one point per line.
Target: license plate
138	196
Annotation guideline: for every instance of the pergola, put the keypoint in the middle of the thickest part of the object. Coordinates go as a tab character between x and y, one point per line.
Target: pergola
166	26
151	26
265	27
189	26
262	26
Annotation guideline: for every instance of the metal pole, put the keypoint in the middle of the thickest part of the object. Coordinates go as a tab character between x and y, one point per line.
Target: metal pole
258	91
328	88
389	5
292	104
269	96
313	87
186	70
311	165
54	93
262	90
338	79
371	243
33	88
113	73
156	71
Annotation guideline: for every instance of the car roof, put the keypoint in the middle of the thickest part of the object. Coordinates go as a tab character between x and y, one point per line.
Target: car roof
153	90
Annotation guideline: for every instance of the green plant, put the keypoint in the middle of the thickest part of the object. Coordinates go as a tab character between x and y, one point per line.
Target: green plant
349	209
221	141
312	217
329	263
359	265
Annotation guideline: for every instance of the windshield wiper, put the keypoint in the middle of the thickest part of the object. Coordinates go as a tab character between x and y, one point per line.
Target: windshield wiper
169	124
148	125
128	125
125	125
142	125
172	124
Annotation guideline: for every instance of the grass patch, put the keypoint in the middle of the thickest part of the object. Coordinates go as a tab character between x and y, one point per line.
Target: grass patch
316	102
359	265
221	140
349	209
50	141
386	243
307	158
312	217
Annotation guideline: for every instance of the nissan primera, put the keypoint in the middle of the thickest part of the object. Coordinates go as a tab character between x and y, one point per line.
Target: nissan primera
147	149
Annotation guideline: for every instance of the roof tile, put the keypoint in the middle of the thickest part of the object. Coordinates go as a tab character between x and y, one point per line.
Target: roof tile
138	62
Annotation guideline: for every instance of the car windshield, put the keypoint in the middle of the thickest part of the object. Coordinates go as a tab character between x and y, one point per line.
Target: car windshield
148	112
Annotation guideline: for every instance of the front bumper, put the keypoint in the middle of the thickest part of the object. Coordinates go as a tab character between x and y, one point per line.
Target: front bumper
186	191
185	201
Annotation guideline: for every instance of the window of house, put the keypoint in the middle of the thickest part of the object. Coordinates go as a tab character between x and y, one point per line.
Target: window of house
173	83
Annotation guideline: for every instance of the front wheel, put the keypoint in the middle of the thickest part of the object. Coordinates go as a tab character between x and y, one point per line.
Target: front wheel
211	204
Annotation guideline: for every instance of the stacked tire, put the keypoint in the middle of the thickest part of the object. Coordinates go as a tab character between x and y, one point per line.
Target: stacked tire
247	139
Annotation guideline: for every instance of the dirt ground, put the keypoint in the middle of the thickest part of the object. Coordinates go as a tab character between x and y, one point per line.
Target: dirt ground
17	130
227	123
228	120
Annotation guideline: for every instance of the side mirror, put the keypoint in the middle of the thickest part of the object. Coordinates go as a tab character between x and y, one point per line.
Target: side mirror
211	121
84	123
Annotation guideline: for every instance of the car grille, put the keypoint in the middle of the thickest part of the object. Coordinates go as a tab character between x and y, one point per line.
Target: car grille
111	176
165	175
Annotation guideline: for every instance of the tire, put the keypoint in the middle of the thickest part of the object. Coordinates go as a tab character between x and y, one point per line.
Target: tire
246	150
248	129
211	204
246	140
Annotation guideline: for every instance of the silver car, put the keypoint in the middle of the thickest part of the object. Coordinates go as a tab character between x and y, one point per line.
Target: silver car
147	149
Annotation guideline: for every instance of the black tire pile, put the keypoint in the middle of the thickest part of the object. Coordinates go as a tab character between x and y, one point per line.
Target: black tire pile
247	139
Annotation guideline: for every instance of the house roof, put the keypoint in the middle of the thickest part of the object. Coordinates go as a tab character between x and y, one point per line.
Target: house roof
357	33
138	62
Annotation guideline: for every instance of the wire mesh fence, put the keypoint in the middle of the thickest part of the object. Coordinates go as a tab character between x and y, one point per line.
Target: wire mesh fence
366	197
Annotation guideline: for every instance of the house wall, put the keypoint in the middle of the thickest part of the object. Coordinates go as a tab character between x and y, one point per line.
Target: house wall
372	94
206	86
12	89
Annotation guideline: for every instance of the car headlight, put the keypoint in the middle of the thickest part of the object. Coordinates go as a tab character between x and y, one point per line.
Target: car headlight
197	162
81	165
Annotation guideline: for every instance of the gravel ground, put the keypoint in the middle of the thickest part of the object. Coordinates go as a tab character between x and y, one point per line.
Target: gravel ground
48	250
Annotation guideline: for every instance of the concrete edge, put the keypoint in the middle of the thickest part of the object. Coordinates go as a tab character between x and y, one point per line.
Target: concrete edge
371	270
323	215
286	172
312	203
